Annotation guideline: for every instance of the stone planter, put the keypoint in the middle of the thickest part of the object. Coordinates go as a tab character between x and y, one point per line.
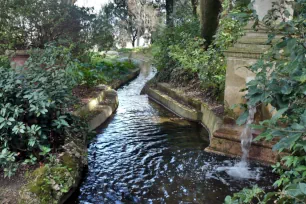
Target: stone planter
18	57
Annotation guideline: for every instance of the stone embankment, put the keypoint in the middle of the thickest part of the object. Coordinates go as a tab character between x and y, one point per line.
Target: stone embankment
187	107
224	133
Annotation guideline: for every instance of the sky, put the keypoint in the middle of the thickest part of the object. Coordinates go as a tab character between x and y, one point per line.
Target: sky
92	3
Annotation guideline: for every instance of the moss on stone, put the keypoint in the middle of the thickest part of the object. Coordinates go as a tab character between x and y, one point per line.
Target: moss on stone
49	184
69	162
39	187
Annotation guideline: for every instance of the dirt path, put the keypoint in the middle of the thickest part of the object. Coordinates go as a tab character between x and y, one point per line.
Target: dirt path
9	188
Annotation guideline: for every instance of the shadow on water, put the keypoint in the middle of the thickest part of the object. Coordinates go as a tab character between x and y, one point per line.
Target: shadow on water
145	154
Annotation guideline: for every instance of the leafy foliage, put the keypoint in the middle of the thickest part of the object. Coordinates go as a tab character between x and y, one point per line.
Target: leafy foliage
100	69
4	61
102	30
34	102
184	47
33	23
280	81
245	196
185	24
124	22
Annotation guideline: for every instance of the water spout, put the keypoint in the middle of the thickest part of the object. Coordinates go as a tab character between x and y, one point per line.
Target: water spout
241	169
246	136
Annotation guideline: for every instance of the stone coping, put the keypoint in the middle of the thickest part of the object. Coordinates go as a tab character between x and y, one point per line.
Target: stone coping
229	133
226	141
186	107
12	53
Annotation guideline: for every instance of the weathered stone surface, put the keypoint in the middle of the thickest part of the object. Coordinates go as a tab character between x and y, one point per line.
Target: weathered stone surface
224	138
55	182
173	105
209	119
226	141
176	102
243	54
236	77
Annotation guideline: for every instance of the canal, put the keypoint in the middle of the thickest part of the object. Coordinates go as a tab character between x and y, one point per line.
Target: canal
146	154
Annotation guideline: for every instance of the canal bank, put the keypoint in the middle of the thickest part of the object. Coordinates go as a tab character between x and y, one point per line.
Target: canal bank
224	134
65	173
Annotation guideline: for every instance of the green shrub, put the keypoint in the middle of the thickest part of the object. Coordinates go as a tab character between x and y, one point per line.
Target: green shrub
34	106
182	46
210	63
102	70
4	61
89	75
166	37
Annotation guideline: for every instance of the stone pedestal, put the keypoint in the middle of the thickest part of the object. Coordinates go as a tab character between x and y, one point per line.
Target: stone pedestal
243	54
226	140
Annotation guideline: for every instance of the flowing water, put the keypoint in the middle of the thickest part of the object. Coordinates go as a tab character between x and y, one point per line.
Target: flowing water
145	154
242	168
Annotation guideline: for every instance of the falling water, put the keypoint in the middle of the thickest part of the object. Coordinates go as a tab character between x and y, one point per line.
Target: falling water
247	136
241	169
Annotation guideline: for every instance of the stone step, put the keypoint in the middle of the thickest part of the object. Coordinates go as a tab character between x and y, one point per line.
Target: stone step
226	141
262	40
179	95
251	46
245	52
260	27
253	40
173	105
187	107
257	34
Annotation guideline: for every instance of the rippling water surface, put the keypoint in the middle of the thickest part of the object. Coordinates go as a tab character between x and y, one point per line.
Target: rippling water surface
145	154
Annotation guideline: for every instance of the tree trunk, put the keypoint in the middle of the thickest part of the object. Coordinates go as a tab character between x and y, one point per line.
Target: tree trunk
194	4
210	10
138	37
133	42
169	12
134	38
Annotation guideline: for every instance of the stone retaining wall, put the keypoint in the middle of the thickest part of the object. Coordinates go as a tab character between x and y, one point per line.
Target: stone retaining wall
186	107
224	136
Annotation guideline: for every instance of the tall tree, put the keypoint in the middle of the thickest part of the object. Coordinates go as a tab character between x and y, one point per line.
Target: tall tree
102	30
169	12
210	10
32	23
124	21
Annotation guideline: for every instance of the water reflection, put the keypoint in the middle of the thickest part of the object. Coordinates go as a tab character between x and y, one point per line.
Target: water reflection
147	155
